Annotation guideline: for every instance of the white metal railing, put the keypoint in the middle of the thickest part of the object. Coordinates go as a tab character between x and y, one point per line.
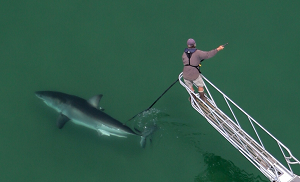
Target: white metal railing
231	129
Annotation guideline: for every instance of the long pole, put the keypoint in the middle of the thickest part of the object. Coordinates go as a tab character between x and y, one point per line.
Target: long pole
155	100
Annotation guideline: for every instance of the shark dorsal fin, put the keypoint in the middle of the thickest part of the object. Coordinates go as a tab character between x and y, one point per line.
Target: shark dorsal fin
61	120
94	101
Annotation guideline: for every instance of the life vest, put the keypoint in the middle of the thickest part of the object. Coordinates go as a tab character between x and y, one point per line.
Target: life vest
189	52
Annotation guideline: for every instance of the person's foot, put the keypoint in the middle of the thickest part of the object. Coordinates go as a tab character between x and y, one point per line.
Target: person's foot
202	96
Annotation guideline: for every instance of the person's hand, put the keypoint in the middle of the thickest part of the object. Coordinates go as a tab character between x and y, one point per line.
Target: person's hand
221	47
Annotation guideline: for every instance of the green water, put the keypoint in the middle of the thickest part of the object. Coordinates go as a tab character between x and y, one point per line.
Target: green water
130	51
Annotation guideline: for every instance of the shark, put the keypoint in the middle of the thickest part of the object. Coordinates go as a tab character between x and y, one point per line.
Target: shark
89	114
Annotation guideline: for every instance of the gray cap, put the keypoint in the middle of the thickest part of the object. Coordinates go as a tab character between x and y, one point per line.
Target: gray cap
190	42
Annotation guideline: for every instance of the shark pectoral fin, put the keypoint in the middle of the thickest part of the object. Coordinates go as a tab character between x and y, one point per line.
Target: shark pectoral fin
94	101
61	121
103	132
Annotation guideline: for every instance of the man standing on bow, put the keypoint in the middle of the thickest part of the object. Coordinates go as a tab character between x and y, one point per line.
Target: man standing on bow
191	60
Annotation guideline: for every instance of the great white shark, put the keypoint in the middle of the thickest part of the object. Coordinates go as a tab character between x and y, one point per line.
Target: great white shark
88	113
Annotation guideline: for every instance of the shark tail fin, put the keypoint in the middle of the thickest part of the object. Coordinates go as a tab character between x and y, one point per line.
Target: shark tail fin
145	134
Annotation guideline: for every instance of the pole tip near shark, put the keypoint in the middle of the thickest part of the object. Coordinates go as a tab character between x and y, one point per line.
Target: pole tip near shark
87	113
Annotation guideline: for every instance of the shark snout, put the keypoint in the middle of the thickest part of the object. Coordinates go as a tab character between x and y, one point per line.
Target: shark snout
39	94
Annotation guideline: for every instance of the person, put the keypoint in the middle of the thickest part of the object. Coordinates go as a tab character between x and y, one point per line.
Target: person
192	59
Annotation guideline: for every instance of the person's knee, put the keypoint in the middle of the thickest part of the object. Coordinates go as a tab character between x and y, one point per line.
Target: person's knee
200	89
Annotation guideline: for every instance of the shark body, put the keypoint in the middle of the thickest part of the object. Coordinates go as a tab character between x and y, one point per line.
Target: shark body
86	113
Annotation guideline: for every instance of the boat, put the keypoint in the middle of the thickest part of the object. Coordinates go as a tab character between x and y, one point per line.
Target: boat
230	127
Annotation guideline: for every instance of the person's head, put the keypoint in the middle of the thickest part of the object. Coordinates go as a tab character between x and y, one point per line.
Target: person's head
191	43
